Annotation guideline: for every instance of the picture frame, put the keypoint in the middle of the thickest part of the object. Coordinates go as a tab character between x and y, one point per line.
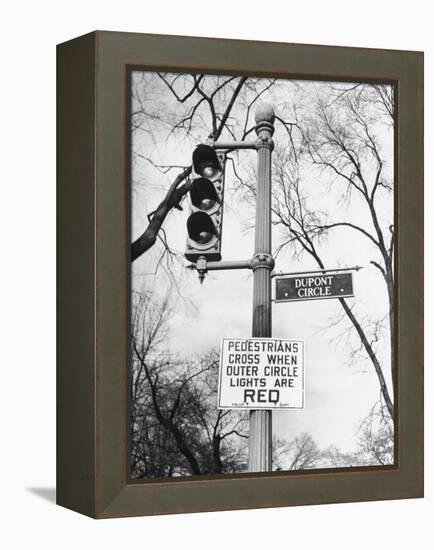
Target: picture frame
94	219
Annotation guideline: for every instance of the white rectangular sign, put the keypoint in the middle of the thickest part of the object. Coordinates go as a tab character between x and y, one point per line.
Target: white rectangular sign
261	373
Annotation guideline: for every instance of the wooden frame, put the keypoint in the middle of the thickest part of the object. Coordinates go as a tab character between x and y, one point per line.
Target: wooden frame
93	274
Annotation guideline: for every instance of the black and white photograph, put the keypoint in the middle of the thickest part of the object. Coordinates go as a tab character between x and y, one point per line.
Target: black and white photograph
217	332
262	275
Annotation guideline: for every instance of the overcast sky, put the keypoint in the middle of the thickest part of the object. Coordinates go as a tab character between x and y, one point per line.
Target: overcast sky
339	391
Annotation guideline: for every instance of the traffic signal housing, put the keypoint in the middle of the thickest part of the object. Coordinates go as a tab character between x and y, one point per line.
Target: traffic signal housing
204	224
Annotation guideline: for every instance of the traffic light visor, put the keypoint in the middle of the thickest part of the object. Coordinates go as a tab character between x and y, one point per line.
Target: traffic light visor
205	161
200	228
203	194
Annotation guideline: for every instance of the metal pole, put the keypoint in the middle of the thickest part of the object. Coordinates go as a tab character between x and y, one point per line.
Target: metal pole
260	434
231	145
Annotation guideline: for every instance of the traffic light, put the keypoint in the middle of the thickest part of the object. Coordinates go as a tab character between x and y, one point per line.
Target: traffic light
204	224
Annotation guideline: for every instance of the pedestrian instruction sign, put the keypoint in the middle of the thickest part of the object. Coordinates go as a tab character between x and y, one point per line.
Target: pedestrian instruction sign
261	373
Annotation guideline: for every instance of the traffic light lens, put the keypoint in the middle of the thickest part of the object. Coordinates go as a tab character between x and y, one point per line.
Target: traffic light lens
204	237
206	203
207	170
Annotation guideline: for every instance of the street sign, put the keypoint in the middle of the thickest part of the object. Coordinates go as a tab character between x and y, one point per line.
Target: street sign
315	286
261	373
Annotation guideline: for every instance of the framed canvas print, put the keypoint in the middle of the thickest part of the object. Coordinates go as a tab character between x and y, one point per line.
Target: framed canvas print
240	274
